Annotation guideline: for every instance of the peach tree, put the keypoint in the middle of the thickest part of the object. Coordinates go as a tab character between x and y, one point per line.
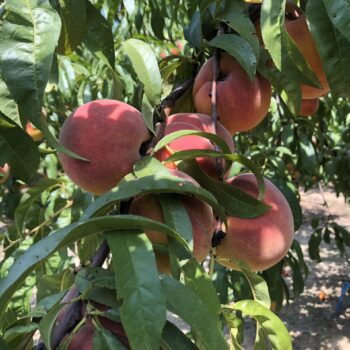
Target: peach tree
124	200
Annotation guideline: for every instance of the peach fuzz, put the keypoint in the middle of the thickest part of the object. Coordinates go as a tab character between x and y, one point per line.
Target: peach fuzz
241	103
109	134
260	242
200	214
196	122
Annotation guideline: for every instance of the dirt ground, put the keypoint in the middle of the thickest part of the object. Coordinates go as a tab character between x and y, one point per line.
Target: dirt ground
311	321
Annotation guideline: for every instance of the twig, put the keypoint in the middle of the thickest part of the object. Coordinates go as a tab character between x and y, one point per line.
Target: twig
164	110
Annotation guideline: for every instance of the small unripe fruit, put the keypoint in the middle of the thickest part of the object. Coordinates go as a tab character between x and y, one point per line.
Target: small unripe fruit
260	242
34	133
109	134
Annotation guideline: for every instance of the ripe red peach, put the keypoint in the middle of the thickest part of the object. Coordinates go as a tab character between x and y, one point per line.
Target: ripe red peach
109	134
200	214
197	122
260	242
241	103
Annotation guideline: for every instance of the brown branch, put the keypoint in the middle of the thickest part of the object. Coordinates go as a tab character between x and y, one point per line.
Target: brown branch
164	111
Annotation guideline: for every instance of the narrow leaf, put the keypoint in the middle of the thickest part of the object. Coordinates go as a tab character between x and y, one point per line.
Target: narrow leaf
238	48
40	251
146	67
183	301
142	310
332	46
29	35
273	327
17	149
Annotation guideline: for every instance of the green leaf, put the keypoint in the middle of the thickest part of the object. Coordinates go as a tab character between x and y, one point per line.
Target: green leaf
339	14
177	134
147	113
238	48
272	326
17	149
157	23
157	183
29	35
105	340
234	201
3	344
307	155
292	199
257	285
142	310
199	282
73	17
182	301
193	33
173	339
332	46
314	245
99	36
94	277
40	251
8	105
31	196
47	323
284	53
146	67
176	216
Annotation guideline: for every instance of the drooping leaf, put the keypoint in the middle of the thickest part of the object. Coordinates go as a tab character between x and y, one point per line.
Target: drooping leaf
73	18
40	251
183	302
193	33
235	14
17	149
233	200
157	183
199	282
26	64
273	327
284	53
31	196
339	13
238	48
314	245
332	46
173	338
146	67
105	340
142	310
98	36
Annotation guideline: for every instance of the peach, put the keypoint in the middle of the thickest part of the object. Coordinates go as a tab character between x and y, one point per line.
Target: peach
200	214
309	107
83	340
241	103
4	173
260	242
196	122
298	30
109	134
